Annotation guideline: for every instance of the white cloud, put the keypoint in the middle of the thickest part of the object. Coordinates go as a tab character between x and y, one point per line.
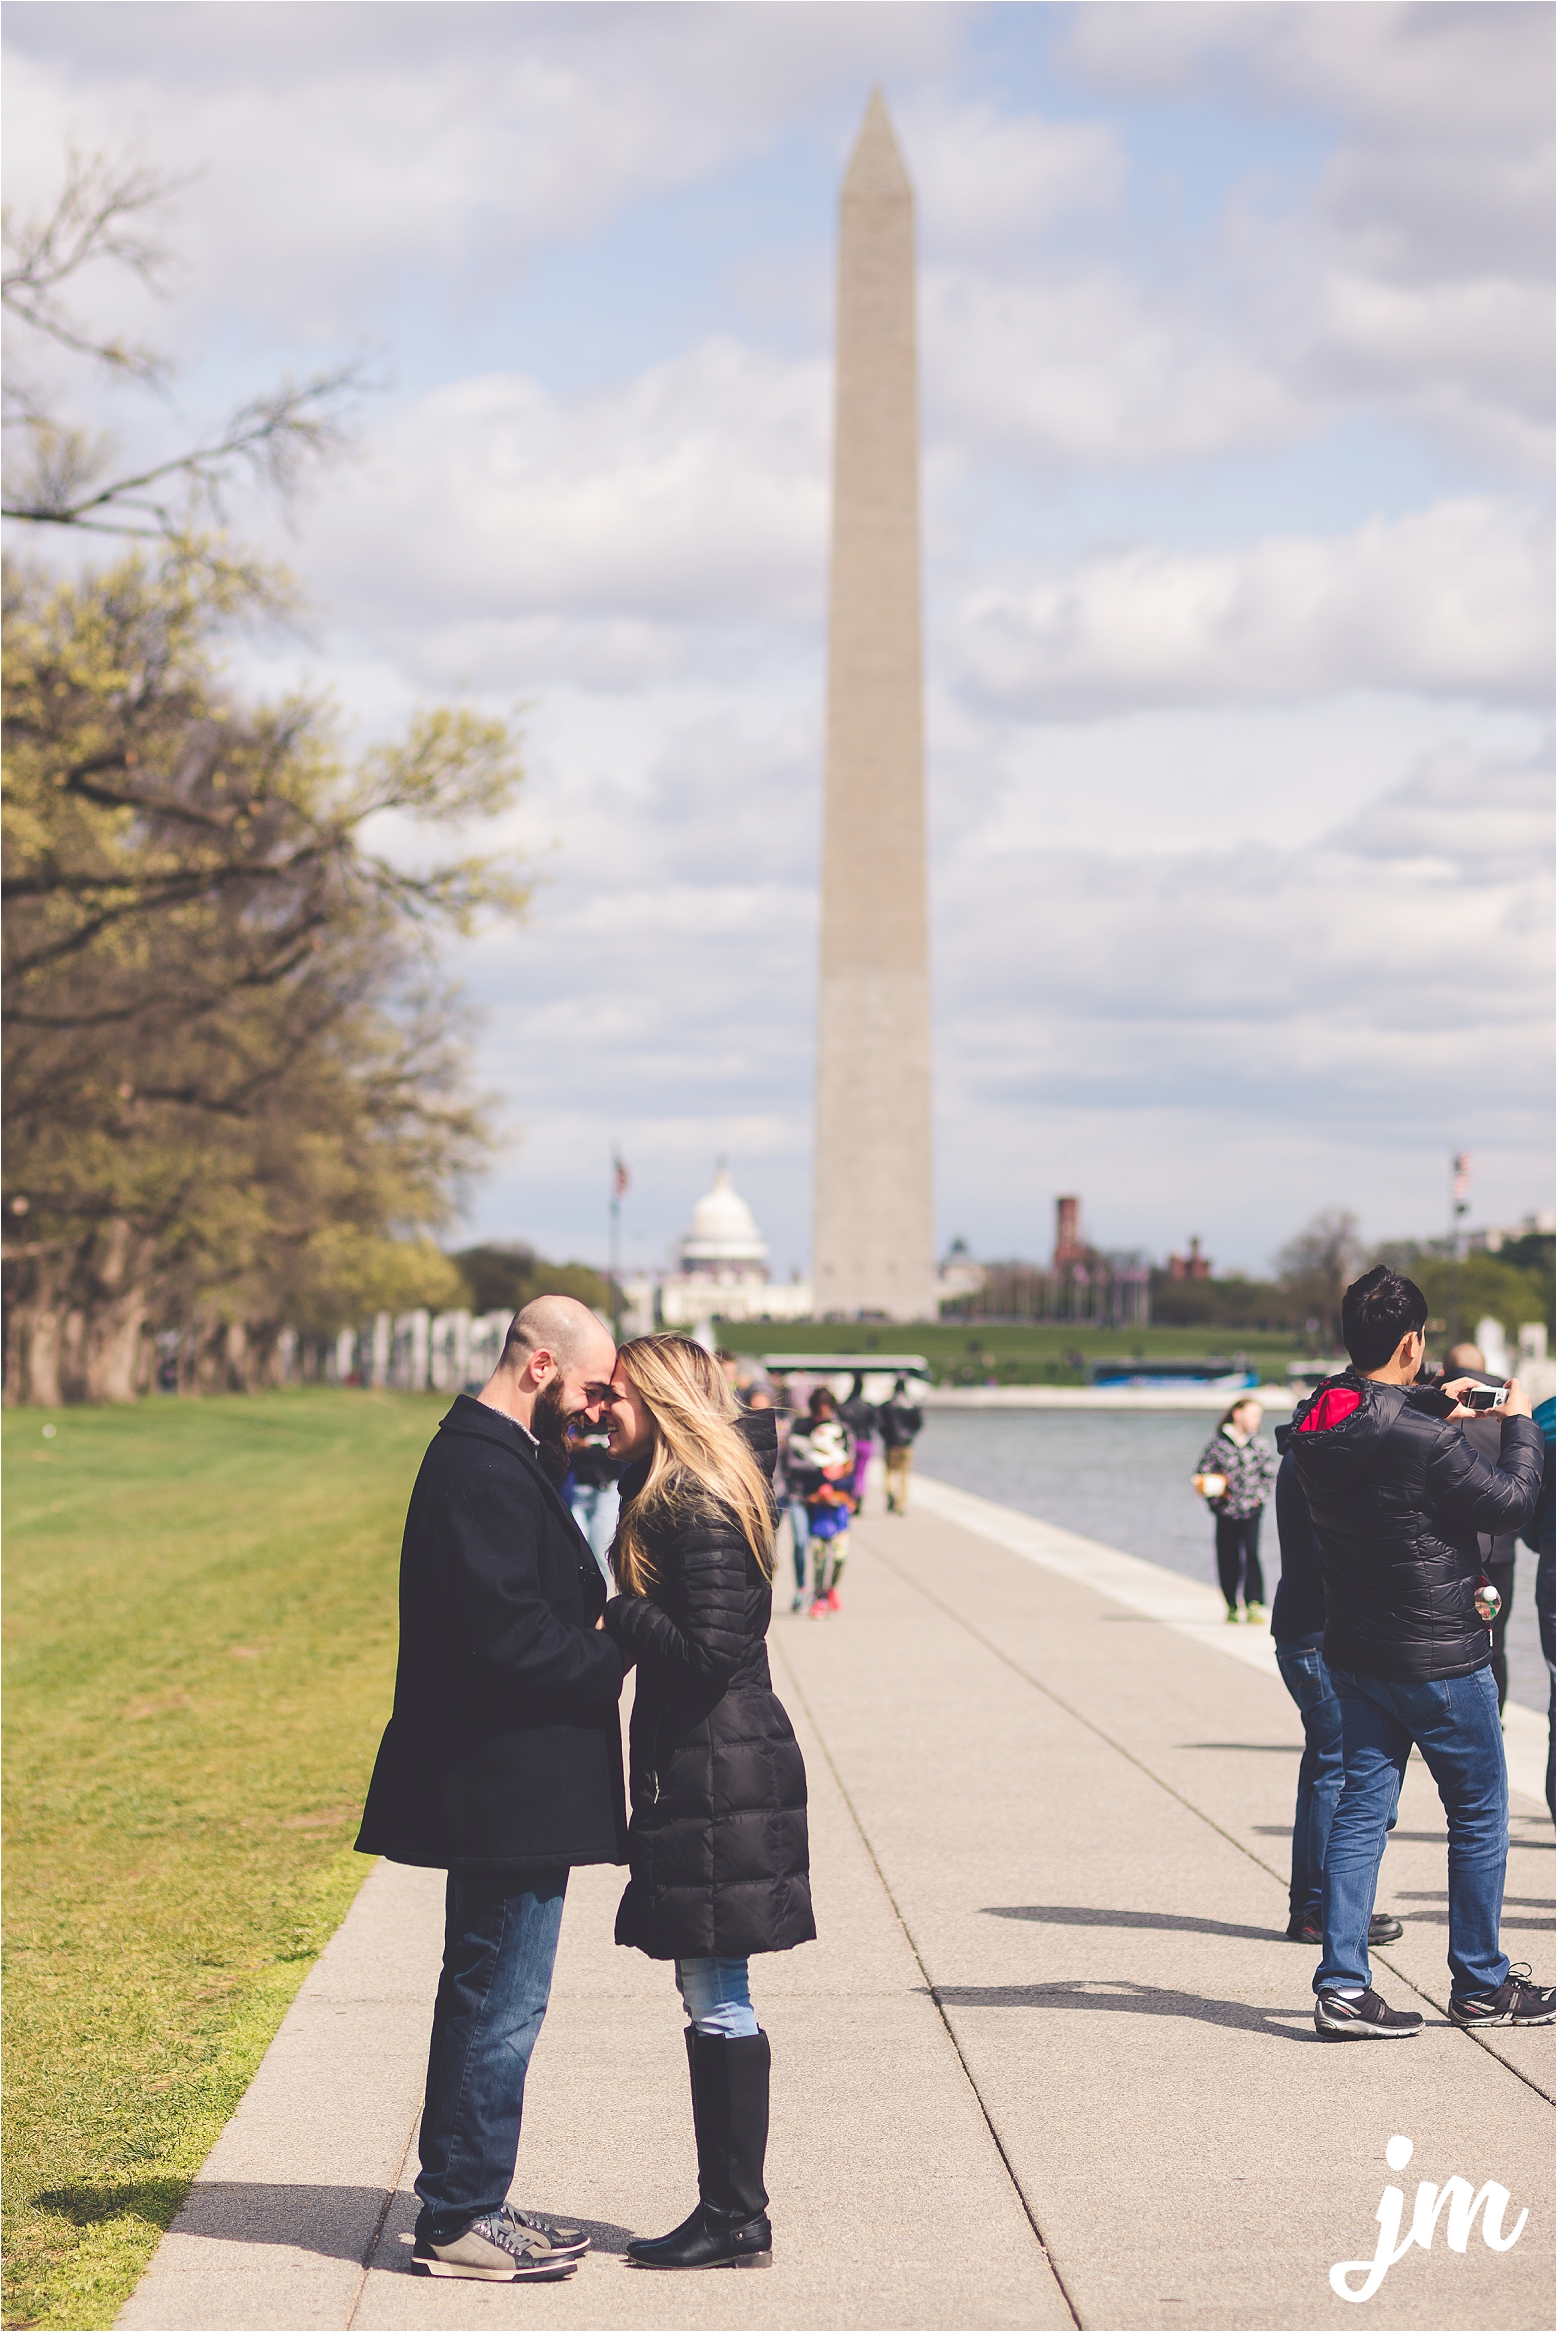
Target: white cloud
988	180
695	494
1425	70
1454	600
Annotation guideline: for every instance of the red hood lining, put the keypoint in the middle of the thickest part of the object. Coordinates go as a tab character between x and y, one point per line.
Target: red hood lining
1334	1403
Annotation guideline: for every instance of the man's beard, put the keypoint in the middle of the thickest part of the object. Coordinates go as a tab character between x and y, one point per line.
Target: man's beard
549	1424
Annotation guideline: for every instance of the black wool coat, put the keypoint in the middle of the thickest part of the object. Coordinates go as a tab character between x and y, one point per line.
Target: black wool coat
505	1746
1397	1496
717	1844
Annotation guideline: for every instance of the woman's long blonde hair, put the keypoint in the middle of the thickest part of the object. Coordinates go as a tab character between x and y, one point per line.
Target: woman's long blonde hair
700	1455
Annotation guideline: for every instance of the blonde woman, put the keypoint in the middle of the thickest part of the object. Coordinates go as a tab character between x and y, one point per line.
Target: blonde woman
717	1841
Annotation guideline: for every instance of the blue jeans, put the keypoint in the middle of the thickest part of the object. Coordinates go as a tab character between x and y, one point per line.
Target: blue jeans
1546	1620
1320	1775
499	1945
716	1997
800	1539
596	1506
1454	1722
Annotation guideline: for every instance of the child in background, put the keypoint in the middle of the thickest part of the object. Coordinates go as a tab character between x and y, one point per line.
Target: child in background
830	1505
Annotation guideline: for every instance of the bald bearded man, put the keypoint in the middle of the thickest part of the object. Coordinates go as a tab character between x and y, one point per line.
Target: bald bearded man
502	1764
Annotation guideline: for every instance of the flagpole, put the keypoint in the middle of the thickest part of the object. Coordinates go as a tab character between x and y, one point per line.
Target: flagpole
618	1185
1459	1204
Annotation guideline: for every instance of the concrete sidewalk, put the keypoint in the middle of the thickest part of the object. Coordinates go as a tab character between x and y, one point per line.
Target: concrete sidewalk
1050	2064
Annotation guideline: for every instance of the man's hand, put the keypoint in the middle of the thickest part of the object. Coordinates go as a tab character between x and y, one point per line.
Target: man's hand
1516	1401
1452	1392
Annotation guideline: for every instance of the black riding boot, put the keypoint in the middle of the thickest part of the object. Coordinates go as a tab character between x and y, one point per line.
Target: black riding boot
729	2227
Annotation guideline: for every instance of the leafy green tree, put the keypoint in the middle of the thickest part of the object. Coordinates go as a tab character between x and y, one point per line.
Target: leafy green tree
1478	1287
233	1078
502	1277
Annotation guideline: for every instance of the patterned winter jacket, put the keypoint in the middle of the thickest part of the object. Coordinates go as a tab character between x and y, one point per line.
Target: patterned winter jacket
1250	1471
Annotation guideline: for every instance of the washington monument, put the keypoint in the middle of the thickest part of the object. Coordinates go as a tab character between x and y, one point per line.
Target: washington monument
874	1226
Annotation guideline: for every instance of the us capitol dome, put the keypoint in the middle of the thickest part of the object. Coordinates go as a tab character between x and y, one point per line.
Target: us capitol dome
720	1272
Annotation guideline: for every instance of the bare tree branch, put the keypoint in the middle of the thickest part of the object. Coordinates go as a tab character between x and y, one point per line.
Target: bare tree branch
94	218
61	474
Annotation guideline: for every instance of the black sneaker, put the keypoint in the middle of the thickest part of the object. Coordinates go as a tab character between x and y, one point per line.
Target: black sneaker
1383	1927
1364	2017
495	2249
566	2242
1516	2001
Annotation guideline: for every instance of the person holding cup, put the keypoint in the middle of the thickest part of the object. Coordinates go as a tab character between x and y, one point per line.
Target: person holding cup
1234	1476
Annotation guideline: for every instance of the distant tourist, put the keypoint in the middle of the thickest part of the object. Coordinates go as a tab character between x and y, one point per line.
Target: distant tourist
831	1504
1397	1494
802	1478
718	1848
592	1492
1498	1549
1297	1626
859	1415
1234	1476
1540	1536
901	1421
502	1764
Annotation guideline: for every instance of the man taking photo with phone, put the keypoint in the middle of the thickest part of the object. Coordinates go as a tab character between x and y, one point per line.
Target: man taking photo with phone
1397	1494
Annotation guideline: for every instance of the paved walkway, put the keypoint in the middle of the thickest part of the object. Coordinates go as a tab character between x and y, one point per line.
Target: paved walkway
1052	2063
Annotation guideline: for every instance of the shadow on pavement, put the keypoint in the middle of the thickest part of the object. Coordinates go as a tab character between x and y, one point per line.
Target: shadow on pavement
1116	1994
1078	1915
333	2222
1406	1837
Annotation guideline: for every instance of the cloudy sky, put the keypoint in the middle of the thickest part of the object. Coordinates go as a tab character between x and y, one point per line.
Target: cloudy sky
1236	344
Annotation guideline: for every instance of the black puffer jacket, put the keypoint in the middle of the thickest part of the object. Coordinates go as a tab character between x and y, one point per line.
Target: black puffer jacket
1397	1496
717	1842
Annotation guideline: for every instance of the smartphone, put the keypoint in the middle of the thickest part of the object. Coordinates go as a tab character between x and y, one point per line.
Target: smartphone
1484	1396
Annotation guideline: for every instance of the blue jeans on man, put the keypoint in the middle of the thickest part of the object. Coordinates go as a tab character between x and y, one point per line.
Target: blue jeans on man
1320	1775
1546	1619
1454	1722
500	1945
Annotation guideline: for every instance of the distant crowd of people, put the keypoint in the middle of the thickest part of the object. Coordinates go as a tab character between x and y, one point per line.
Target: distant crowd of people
825	1452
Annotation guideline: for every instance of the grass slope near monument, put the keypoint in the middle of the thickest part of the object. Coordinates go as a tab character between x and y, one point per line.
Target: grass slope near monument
200	1658
1015	1351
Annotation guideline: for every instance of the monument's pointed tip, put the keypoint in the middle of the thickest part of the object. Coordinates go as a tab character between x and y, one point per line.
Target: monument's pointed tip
876	165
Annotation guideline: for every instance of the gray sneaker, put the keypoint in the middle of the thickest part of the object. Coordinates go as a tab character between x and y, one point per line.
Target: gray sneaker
497	2248
566	2242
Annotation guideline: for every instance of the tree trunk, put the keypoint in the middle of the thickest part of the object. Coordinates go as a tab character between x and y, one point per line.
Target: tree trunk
33	1332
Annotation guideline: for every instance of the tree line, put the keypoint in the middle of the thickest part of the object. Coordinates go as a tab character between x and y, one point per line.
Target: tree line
237	1087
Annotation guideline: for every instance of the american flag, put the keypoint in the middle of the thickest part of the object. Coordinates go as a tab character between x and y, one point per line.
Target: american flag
619	1178
1462	1179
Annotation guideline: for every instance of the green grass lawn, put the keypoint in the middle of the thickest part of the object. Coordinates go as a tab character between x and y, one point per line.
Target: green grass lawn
1018	1352
200	1642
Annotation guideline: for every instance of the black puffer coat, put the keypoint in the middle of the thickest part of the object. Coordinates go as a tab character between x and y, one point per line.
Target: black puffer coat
717	1842
1397	1496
